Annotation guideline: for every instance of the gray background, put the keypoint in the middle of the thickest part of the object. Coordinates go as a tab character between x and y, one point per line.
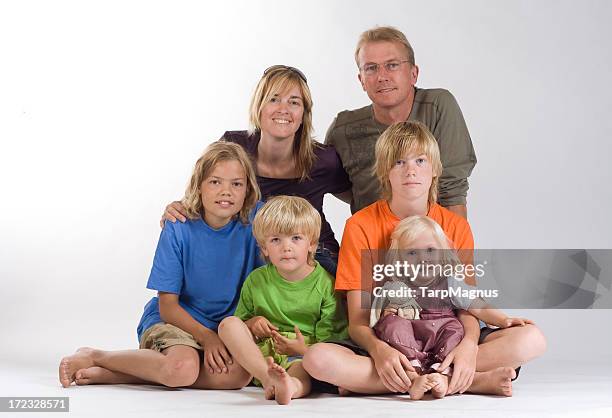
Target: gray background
104	108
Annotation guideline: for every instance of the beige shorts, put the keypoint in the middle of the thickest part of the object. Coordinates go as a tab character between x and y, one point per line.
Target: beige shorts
161	336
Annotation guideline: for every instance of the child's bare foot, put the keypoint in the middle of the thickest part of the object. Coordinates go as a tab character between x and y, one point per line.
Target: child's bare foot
279	384
344	392
71	364
440	385
494	382
420	386
95	376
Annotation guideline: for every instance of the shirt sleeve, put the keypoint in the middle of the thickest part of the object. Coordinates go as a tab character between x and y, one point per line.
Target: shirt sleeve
245	309
354	245
332	324
167	271
456	151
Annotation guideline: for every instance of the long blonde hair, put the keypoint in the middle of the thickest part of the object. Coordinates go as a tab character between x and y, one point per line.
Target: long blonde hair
277	80
215	153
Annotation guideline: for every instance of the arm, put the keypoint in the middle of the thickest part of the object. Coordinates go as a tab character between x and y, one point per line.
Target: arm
456	151
492	316
346	196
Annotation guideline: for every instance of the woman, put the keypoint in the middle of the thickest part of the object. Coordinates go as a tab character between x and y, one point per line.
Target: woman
286	158
408	166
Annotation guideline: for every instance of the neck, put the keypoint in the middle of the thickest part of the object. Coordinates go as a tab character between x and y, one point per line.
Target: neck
296	275
403	208
394	114
272	150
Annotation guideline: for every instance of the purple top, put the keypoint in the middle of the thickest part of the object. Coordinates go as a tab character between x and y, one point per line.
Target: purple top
326	176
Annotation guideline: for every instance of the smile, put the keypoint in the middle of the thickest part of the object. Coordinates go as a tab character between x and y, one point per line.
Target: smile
224	203
281	121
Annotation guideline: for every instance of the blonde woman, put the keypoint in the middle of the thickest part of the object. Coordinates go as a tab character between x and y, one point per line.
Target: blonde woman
179	345
286	158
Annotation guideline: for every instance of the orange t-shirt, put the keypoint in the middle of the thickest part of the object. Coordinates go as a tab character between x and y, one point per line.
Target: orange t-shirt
371	229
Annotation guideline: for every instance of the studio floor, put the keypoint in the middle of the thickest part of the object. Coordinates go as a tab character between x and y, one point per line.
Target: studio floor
543	390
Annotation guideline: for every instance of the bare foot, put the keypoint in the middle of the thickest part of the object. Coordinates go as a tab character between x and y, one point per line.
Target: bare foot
440	385
420	386
71	364
96	376
344	392
494	382
279	384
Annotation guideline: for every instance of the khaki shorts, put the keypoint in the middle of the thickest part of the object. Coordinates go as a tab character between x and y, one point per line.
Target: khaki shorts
161	336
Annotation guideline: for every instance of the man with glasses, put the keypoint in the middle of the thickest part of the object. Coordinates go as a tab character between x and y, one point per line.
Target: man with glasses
388	75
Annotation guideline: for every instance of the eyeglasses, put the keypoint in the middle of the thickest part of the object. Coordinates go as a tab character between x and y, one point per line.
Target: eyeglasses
286	67
391	66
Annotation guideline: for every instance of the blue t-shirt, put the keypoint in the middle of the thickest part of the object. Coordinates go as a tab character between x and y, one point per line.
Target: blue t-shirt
204	266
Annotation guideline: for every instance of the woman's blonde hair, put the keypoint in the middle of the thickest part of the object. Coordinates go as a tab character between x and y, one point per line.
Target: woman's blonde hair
277	80
385	34
400	140
215	153
287	215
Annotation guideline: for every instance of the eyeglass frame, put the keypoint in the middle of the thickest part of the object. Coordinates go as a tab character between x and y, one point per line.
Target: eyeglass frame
384	64
285	67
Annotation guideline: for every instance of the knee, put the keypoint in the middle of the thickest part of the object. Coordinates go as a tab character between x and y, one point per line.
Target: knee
180	372
317	361
532	343
228	323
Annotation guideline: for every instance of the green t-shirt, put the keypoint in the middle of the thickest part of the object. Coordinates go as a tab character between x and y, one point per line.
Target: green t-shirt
311	303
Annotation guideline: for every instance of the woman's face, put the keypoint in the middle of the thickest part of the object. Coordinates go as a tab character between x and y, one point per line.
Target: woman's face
281	116
411	177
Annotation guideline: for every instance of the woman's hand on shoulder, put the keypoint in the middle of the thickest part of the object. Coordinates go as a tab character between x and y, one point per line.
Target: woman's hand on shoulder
174	211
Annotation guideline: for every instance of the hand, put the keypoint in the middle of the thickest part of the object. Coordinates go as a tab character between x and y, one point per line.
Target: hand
511	322
463	359
216	356
389	311
260	327
174	211
391	366
289	346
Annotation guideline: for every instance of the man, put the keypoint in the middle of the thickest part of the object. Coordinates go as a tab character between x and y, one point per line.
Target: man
388	75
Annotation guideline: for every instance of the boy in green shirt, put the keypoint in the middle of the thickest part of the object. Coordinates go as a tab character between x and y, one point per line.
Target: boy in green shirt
287	304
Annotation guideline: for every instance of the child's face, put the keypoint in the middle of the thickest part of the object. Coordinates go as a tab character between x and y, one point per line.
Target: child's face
289	254
411	177
425	250
223	193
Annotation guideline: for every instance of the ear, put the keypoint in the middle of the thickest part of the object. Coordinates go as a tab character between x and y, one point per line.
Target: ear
264	251
361	80
414	74
313	247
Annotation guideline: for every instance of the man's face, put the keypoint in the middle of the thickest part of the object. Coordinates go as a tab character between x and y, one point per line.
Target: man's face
387	89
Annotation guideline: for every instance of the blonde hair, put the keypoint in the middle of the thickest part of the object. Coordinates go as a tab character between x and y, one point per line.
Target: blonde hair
278	80
385	34
398	141
408	229
287	215
215	153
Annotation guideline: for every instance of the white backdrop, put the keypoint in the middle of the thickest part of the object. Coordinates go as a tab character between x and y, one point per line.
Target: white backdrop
105	106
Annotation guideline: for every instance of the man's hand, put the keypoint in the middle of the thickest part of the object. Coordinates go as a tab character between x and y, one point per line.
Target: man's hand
463	359
391	366
288	346
174	211
260	327
216	356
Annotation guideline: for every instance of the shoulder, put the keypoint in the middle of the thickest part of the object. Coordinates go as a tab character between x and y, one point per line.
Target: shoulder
348	117
243	138
326	155
257	276
438	97
456	227
366	215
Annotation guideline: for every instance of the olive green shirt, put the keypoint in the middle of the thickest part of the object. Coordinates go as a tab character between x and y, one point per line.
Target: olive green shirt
354	133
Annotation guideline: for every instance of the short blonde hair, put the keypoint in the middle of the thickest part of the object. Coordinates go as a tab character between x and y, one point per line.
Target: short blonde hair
215	153
287	215
384	34
408	229
398	141
275	81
